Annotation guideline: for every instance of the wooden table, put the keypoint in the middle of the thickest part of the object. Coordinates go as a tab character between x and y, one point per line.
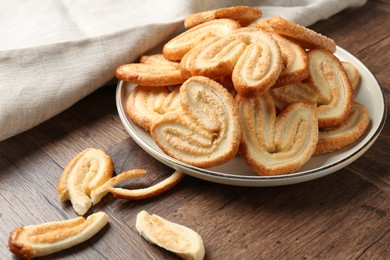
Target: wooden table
344	215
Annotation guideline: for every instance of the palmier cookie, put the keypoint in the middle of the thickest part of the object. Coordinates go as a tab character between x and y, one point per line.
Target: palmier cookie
177	47
145	104
84	173
333	139
334	89
152	71
276	144
207	132
305	37
295	61
250	55
51	237
245	15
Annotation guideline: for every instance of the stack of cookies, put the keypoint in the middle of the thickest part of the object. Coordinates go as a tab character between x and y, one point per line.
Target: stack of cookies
232	84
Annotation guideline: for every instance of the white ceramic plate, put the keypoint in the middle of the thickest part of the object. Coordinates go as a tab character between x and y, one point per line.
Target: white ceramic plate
236	172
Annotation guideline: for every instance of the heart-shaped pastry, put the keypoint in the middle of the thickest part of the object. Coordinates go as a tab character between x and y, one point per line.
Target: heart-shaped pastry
250	55
276	144
207	131
335	95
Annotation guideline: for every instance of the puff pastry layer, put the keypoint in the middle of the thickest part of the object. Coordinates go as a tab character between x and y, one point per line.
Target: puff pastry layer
207	131
277	144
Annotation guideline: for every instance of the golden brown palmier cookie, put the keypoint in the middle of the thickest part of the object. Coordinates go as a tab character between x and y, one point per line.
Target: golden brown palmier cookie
153	71
294	93
295	61
333	139
276	144
47	238
207	131
334	89
145	104
245	15
179	239
305	37
352	73
84	173
250	55
177	47
134	194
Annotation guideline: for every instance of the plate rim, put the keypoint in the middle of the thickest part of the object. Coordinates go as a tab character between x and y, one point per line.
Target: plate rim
253	180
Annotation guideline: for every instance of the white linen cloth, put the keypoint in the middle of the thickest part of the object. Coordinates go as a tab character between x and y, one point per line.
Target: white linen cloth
53	53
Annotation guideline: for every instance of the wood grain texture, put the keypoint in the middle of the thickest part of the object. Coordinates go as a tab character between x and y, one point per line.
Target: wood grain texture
344	215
